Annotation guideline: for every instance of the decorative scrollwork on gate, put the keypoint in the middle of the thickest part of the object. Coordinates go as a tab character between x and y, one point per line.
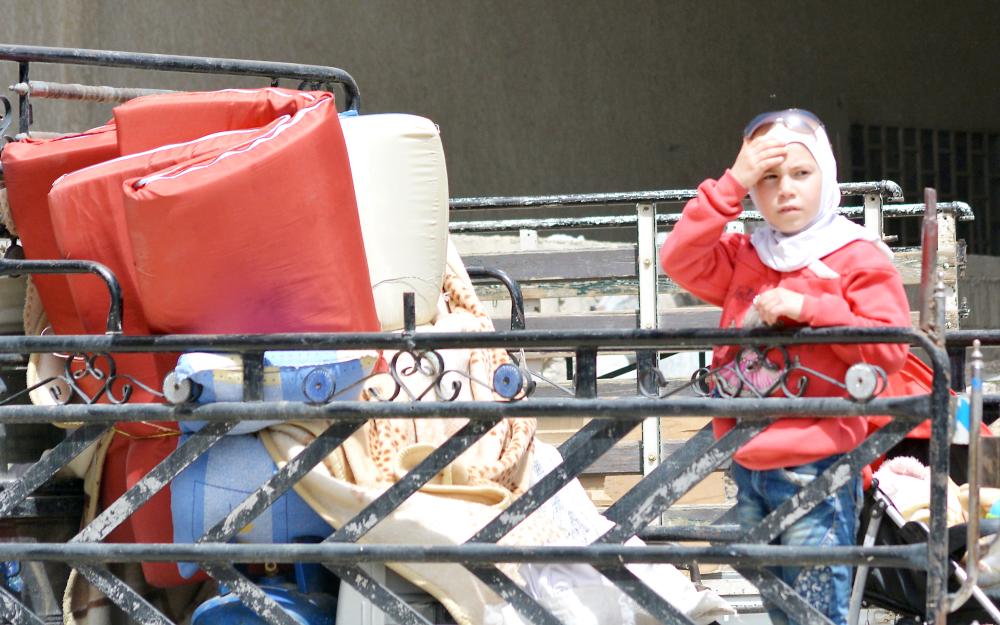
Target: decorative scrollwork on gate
85	378
770	371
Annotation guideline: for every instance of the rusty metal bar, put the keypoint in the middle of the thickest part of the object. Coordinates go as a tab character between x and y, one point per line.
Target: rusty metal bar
11	267
962	211
907	407
336	554
176	63
970	583
554	340
886	188
87	93
928	261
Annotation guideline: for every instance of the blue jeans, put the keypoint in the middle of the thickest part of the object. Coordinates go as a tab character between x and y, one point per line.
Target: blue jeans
833	522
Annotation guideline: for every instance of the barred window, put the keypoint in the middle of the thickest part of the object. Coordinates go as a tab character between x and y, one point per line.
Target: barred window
961	165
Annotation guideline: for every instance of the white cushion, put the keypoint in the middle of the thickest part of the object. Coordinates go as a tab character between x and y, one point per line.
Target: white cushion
401	183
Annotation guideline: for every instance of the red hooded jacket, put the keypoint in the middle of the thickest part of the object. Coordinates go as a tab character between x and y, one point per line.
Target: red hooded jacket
723	269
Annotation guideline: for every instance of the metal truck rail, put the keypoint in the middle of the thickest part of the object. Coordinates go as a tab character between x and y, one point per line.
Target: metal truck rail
749	551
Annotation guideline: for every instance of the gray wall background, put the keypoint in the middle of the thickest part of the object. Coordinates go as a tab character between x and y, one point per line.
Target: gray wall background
567	95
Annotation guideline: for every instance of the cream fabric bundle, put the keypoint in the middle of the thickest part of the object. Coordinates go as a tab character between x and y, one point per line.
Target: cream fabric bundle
472	491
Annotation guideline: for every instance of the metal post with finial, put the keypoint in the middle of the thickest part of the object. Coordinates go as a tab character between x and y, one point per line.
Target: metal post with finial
969	584
928	258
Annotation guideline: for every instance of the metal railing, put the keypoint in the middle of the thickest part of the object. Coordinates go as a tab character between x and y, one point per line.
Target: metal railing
634	511
310	76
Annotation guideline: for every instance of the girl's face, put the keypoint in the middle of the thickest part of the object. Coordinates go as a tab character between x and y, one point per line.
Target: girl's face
788	194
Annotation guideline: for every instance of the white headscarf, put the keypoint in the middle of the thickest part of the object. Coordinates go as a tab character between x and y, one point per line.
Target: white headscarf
827	233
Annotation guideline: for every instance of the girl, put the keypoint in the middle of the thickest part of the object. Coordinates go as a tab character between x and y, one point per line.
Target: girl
808	266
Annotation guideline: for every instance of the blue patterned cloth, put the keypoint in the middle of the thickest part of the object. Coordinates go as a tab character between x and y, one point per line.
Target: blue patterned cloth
219	480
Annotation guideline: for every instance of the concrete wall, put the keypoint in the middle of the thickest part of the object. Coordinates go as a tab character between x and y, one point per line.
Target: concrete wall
569	95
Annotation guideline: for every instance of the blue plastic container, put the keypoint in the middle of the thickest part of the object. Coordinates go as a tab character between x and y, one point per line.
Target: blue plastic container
302	600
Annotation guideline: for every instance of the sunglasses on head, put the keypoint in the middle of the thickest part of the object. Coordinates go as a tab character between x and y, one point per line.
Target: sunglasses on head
796	120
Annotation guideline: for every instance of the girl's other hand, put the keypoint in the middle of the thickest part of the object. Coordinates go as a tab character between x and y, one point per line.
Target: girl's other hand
756	157
778	302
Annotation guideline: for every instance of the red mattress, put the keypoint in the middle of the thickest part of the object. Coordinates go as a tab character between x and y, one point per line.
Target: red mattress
230	212
264	237
88	220
30	168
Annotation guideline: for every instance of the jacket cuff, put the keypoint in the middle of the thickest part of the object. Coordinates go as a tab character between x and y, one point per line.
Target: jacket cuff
817	312
730	185
809	305
732	191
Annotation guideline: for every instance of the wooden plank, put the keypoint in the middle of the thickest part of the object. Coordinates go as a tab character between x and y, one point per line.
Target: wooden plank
701	514
681	428
574	288
589	264
907	261
713	490
677	318
623	459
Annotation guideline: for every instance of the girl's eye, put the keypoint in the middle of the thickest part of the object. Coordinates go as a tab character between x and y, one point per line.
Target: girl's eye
802	173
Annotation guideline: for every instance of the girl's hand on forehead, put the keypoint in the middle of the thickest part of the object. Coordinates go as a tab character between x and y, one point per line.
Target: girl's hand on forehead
776	303
756	157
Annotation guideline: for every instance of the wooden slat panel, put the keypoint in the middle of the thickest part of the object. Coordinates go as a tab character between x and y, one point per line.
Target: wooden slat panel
568	273
683	514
